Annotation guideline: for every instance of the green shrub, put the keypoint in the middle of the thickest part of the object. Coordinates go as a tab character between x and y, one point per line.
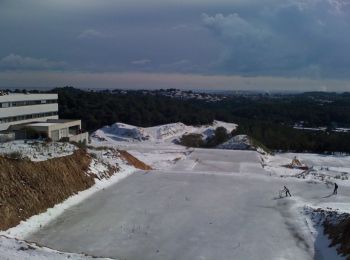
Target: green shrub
192	140
14	155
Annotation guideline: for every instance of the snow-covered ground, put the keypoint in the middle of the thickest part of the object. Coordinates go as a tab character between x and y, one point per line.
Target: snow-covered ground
36	150
241	142
329	168
153	145
12	245
214	204
120	132
13	249
197	204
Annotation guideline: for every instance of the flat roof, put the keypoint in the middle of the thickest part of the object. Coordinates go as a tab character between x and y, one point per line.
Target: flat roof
51	122
41	124
61	120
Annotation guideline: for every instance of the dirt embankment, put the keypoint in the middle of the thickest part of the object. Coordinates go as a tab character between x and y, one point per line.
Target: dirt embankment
134	161
339	232
336	227
29	188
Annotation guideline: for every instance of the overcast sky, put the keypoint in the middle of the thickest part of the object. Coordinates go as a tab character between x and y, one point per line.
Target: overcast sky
200	44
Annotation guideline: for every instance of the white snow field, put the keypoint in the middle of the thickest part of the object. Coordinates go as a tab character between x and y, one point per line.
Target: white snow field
196	203
36	150
215	204
12	245
120	132
13	249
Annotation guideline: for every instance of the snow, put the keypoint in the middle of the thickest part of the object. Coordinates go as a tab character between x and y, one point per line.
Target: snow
241	142
170	211
321	241
11	248
10	245
180	214
333	168
34	223
238	142
120	132
324	171
36	150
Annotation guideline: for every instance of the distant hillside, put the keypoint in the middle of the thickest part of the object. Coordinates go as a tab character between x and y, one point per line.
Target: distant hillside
269	119
120	132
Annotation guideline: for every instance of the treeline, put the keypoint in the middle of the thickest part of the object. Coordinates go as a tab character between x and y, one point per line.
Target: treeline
268	119
97	109
284	138
219	136
312	109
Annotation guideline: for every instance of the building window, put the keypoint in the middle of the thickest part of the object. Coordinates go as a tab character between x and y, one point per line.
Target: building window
26	117
28	103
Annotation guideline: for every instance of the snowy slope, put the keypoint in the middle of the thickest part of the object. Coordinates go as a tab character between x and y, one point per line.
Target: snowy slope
241	142
325	168
36	150
16	249
169	131
198	178
209	192
120	132
11	244
238	142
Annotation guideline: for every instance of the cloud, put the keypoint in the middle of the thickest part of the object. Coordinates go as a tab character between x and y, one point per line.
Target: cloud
290	38
248	38
141	62
183	66
18	62
139	80
339	5
90	34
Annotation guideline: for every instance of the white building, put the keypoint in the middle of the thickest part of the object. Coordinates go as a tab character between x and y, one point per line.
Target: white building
24	108
31	116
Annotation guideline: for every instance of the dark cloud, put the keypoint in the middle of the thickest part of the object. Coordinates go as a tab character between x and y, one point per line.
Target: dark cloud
249	38
90	34
292	38
141	62
17	62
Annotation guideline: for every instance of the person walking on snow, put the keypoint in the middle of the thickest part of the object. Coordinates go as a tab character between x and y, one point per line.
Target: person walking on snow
286	191
335	189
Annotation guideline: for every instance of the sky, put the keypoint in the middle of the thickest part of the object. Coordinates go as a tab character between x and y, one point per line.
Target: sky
297	45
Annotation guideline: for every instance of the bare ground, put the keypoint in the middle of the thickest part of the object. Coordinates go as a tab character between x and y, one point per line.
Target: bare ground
28	188
134	161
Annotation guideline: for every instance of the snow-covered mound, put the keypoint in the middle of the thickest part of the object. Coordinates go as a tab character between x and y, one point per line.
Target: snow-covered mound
238	142
169	131
209	130
12	248
120	132
241	142
35	150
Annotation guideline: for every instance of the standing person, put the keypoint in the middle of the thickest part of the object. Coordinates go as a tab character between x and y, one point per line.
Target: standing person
335	189
286	191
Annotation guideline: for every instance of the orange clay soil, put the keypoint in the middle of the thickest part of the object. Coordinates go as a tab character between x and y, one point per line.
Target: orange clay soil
29	188
134	161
